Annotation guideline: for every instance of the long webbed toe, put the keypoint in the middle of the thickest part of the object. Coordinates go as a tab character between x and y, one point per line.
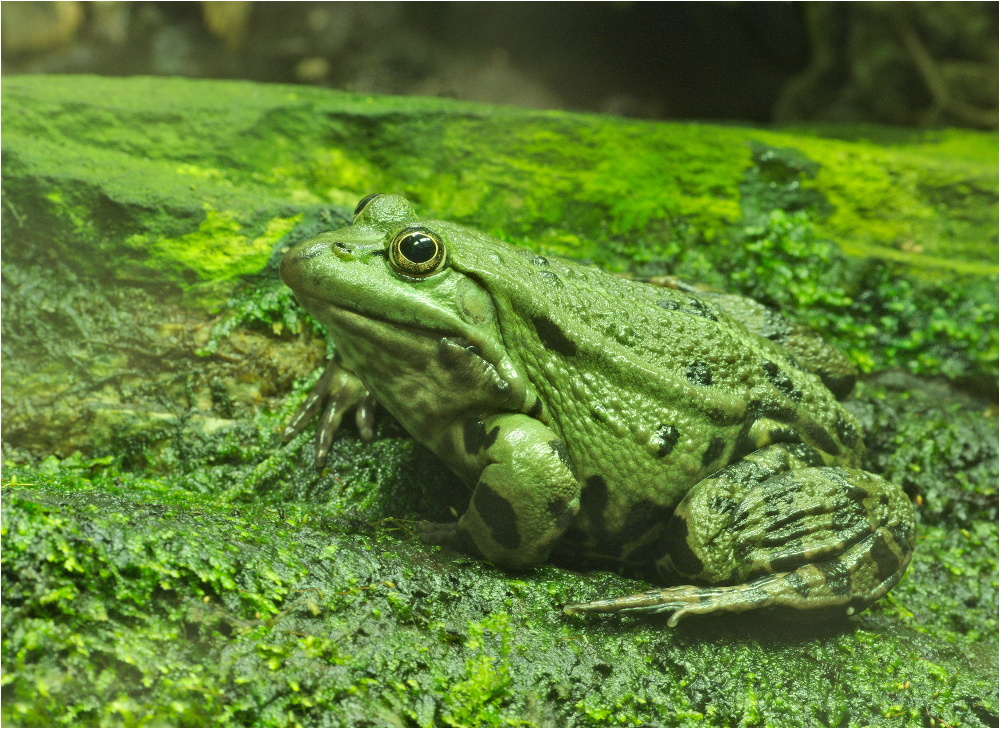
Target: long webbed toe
337	391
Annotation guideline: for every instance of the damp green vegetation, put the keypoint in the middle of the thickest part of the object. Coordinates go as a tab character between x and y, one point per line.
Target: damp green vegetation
167	561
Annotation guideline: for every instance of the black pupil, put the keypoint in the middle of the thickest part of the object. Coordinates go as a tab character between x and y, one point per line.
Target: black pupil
418	248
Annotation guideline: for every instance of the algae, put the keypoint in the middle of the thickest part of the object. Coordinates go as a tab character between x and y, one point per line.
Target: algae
167	561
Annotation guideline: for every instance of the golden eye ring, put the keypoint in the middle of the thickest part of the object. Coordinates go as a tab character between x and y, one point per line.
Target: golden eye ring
416	251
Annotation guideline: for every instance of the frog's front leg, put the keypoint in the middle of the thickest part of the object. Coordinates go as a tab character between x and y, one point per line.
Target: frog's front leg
780	530
525	498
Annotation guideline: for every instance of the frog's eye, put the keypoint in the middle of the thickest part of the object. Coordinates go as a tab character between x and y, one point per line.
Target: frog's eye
416	251
363	203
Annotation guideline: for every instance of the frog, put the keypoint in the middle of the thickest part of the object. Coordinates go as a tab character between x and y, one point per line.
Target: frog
692	434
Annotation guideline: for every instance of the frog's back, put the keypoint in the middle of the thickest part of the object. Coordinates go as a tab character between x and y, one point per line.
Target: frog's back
652	389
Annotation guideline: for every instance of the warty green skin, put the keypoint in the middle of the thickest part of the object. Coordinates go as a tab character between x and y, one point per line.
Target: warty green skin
609	420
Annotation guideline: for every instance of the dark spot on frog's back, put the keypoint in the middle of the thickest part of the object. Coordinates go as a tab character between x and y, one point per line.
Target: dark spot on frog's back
553	337
775	327
847	433
498	515
771	410
475	437
550	278
560	510
690	305
699	373
781	381
664	440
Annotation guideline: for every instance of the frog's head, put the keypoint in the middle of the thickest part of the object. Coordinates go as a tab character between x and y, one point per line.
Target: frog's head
404	319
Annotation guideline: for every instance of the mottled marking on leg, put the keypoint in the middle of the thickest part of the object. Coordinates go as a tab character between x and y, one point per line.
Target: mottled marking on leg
473	435
552	337
805	454
798	583
498	515
886	561
836	575
848	513
675	544
491	437
716	447
720	504
820	438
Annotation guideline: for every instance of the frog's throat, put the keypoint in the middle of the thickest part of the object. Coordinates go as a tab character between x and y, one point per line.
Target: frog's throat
368	343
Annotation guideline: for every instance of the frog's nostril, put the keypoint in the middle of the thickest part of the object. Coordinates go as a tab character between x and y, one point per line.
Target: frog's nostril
342	246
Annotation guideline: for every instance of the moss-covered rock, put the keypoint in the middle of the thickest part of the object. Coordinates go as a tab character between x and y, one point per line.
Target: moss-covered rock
167	561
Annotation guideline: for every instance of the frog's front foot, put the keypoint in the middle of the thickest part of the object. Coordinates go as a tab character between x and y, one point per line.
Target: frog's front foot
337	391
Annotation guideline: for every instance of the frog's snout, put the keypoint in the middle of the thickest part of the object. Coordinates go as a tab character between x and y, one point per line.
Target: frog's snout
296	258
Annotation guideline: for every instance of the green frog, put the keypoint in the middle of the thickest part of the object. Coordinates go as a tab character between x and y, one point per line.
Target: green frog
609	421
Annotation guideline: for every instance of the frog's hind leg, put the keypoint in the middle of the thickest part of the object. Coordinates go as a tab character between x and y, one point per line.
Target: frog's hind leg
779	531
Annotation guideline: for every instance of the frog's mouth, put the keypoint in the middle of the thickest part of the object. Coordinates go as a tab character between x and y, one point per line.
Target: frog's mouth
398	361
351	319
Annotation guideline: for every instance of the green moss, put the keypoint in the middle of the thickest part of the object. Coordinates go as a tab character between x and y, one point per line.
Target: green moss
887	201
211	257
136	602
168	562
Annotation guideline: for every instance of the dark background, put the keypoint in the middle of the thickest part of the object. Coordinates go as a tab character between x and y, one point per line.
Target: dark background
923	64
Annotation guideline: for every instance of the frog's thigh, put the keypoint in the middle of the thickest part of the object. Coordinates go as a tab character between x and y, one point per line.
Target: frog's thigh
525	498
809	538
777	531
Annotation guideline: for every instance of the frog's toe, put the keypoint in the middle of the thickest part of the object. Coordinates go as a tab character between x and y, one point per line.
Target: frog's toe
314	402
336	392
442	534
766	592
365	417
676	600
